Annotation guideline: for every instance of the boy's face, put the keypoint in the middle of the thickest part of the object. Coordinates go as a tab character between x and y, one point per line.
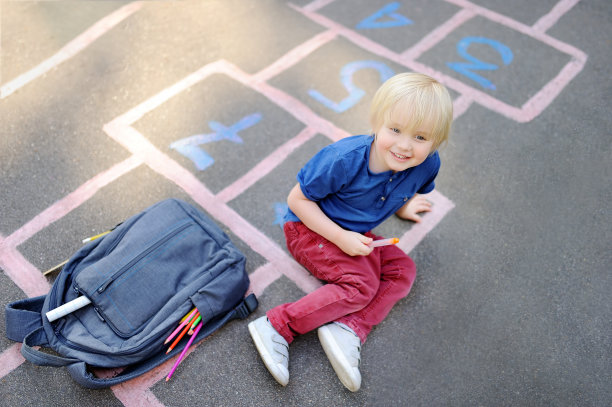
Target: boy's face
398	147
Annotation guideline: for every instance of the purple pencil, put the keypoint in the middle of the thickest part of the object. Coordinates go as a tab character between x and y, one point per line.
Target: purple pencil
177	330
184	352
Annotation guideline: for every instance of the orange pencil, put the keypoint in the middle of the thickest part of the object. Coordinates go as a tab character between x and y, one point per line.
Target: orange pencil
177	330
183	332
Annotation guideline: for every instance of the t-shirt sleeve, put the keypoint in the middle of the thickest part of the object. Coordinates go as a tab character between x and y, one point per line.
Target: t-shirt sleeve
323	175
434	166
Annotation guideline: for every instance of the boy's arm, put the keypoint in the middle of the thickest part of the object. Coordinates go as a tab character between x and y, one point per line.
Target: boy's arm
351	243
411	209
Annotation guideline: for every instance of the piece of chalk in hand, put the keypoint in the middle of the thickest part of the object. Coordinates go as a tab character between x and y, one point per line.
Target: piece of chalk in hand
384	242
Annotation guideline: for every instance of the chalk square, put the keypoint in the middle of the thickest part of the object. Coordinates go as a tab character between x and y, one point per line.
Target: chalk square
258	204
236	125
40	169
324	71
396	25
516	82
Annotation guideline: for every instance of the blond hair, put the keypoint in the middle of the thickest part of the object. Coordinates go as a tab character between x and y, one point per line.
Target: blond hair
421	101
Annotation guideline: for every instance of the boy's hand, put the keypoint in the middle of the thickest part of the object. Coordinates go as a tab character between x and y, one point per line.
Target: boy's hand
413	207
353	243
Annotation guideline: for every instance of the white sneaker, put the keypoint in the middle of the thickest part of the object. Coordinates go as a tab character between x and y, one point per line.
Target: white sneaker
342	347
272	347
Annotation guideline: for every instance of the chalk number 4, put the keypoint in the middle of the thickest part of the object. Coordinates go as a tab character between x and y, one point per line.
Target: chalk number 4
474	64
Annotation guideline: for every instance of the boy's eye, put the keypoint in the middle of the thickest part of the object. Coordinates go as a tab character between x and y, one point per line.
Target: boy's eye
394	130
420	137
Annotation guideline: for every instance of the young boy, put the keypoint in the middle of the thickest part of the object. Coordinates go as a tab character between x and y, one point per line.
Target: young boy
343	192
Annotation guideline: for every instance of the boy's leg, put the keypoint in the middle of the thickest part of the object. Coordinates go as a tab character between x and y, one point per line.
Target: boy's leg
397	275
343	349
272	348
353	282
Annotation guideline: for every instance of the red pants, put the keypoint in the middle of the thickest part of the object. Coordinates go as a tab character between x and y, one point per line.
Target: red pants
360	290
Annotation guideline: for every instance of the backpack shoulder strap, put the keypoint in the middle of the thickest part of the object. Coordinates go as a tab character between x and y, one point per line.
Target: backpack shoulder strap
24	324
23	317
39	337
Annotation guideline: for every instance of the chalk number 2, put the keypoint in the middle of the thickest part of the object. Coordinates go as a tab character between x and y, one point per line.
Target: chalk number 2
467	68
355	93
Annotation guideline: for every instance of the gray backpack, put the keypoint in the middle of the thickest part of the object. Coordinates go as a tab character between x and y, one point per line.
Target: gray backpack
141	279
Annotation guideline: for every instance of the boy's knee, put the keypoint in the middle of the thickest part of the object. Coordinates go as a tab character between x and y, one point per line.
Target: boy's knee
407	275
363	293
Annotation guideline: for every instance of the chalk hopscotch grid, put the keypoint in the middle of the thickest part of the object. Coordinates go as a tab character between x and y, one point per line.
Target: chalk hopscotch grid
30	280
525	113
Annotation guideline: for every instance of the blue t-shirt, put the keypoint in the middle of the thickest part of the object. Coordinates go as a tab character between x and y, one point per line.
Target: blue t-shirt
338	178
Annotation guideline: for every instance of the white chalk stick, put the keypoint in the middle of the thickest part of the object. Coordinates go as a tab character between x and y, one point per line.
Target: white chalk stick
67	308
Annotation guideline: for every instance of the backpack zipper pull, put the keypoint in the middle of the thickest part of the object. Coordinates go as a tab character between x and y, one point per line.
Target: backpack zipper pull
103	286
99	315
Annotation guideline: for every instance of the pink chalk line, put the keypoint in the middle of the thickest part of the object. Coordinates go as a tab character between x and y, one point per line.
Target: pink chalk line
550	19
10	359
263	277
317	4
461	105
72	48
441	206
294	56
437	35
137	393
265	166
27	277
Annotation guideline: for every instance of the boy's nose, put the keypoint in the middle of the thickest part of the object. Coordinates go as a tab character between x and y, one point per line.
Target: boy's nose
405	144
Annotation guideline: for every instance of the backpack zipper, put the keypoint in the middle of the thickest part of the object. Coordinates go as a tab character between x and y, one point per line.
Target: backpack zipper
80	348
135	260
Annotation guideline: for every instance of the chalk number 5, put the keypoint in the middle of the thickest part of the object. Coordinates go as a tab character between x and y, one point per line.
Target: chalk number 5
355	93
474	64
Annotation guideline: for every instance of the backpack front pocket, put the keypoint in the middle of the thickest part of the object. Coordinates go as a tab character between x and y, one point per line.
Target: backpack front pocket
127	294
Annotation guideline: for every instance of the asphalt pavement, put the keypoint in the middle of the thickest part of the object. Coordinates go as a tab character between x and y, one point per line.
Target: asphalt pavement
511	304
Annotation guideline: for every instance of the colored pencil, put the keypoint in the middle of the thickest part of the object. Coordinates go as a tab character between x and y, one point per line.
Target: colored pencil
184	352
187	314
89	239
195	323
186	328
58	267
177	330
